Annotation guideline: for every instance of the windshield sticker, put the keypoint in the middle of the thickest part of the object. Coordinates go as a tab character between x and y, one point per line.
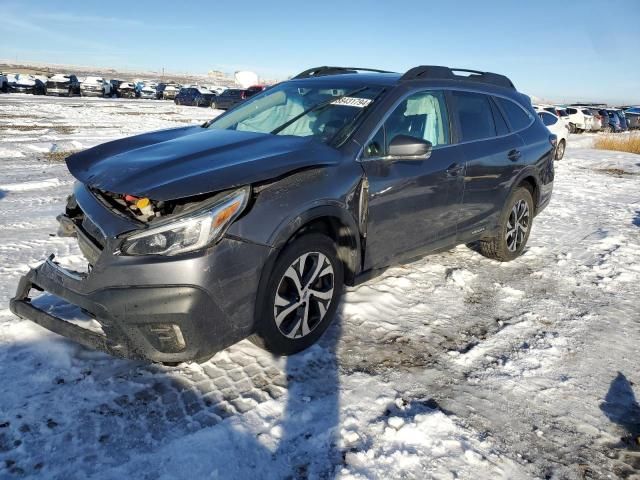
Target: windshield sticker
352	102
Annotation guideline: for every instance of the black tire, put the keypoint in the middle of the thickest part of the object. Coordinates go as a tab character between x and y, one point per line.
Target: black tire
560	149
213	104
269	335
498	248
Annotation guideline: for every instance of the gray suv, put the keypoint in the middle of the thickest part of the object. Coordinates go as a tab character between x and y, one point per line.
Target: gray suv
251	224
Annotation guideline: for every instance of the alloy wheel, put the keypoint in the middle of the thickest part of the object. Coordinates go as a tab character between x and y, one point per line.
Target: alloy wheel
517	225
303	295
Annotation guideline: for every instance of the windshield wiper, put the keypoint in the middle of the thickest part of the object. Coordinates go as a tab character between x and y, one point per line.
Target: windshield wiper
317	106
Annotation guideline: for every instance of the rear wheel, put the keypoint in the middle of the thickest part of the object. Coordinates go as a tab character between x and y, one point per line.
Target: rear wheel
213	104
514	228
299	300
560	149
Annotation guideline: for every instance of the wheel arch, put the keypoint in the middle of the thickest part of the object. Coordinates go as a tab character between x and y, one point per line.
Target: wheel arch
336	223
531	182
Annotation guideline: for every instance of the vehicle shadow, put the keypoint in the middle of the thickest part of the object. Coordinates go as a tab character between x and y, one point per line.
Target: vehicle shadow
621	407
114	417
636	219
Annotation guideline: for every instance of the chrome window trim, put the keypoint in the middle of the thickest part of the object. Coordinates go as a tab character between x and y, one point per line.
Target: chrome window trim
360	158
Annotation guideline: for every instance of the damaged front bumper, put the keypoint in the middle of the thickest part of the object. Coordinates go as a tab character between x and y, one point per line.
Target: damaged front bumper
162	309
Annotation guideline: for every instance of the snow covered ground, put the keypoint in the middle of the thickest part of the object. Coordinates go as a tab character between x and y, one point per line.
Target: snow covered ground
450	367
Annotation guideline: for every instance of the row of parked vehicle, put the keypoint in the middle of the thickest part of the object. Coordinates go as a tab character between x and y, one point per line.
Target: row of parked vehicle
70	85
228	98
596	117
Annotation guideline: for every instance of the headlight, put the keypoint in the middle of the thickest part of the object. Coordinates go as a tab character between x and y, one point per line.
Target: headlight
193	231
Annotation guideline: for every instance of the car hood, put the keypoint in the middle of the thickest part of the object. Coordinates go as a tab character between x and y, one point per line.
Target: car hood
188	161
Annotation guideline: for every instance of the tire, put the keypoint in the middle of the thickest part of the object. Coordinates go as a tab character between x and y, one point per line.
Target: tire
560	149
501	248
281	305
213	104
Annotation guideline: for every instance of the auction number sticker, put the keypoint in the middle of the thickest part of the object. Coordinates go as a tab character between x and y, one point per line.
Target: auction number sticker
352	102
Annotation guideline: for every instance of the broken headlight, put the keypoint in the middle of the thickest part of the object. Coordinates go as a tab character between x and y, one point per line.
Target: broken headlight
189	232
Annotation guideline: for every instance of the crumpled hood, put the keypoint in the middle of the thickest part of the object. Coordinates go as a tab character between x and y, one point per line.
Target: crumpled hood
187	161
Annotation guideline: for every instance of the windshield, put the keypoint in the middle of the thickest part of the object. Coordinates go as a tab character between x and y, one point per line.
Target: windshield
288	109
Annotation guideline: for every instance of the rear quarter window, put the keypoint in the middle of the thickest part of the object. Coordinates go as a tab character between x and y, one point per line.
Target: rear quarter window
516	115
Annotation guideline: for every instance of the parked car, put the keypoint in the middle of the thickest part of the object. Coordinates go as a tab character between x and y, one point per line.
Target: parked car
598	121
127	90
558	127
115	86
22	83
580	119
4	83
196	97
624	126
614	121
230	98
250	225
63	85
147	91
632	115
254	90
170	91
95	87
217	89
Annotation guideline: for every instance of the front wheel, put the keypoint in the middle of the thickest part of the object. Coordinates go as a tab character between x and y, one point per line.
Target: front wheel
213	105
299	299
514	229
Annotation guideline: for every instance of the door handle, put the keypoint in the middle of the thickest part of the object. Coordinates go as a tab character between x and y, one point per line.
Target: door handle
514	155
454	170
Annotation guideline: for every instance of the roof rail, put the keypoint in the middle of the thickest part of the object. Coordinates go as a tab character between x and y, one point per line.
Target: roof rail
433	72
320	71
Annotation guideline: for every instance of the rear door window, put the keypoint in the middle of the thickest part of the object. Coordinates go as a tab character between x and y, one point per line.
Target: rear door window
516	115
474	116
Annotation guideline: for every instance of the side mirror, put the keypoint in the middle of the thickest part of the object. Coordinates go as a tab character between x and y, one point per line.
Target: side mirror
405	147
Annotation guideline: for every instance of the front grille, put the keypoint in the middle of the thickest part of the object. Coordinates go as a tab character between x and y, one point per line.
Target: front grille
92	231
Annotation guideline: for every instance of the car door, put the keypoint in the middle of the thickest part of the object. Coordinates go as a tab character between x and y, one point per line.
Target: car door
493	152
412	204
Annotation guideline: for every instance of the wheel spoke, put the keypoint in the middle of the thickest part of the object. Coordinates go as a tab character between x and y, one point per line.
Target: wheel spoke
305	321
316	272
293	275
285	313
321	295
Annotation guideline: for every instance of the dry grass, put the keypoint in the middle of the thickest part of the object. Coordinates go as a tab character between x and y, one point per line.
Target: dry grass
620	143
58	156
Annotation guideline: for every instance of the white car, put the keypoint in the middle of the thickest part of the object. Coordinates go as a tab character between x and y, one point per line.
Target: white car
580	119
95	87
556	126
148	91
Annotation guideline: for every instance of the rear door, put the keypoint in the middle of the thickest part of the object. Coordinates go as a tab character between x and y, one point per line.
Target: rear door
492	150
413	204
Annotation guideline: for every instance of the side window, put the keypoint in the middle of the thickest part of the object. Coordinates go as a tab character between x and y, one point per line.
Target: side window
501	125
571	111
518	118
422	115
474	115
548	119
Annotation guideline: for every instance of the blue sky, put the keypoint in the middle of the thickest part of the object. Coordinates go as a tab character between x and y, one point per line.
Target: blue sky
561	50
